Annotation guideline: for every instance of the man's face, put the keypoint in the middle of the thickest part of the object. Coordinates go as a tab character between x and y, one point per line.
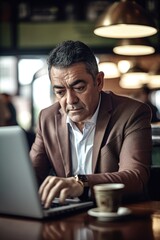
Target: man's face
76	91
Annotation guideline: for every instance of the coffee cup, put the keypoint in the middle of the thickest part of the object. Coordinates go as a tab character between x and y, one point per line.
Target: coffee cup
108	196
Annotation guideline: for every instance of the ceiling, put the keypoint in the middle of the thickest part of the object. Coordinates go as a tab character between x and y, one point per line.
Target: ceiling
78	10
86	11
69	11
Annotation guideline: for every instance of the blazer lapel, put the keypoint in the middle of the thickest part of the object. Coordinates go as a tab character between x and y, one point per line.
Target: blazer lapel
102	122
63	134
63	142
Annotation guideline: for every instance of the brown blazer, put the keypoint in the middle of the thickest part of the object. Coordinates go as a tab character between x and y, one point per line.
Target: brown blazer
122	143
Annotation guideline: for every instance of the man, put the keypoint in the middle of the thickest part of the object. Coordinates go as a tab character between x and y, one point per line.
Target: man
12	120
101	137
4	112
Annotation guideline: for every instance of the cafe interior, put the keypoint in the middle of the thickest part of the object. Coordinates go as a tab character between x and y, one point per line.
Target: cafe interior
125	37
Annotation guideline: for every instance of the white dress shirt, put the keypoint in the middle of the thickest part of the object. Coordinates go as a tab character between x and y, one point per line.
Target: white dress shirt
82	145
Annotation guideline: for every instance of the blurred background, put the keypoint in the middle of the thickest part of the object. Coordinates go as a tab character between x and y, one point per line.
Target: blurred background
29	29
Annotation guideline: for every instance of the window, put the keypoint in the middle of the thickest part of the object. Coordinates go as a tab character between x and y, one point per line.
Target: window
8	75
27	68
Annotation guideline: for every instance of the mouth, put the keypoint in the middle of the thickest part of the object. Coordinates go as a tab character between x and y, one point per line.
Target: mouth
74	109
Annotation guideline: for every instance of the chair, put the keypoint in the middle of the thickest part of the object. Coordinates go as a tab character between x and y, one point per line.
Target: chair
153	185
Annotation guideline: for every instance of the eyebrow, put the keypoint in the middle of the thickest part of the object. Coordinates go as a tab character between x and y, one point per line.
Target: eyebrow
70	85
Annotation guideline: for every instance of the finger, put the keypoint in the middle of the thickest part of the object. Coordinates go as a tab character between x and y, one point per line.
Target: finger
53	192
63	195
47	187
45	182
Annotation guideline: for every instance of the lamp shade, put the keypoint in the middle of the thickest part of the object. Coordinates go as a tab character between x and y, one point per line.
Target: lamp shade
134	47
110	69
154	76
124	66
135	77
125	19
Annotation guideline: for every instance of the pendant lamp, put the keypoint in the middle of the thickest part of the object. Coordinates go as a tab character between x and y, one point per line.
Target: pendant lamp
154	76
134	47
134	78
125	19
110	69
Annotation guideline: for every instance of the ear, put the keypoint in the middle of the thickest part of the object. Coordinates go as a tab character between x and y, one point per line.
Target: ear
100	80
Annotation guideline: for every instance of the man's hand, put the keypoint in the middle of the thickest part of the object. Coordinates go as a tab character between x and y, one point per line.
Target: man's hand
59	187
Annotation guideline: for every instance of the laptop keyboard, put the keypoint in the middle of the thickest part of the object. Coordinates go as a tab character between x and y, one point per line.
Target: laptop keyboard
53	205
56	204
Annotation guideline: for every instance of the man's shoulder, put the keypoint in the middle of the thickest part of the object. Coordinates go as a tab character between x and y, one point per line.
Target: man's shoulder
123	108
51	110
123	102
121	98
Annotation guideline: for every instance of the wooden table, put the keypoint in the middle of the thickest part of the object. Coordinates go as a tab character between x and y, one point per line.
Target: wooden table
143	223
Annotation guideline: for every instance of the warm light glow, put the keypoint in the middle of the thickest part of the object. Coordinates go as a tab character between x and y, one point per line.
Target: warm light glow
154	75
125	19
134	80
156	224
125	31
110	69
154	81
124	66
133	50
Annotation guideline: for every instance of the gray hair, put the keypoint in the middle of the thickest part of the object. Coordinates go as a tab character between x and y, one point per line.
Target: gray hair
70	52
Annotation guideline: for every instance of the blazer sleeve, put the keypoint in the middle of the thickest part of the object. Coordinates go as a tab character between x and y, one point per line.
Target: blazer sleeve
38	154
126	156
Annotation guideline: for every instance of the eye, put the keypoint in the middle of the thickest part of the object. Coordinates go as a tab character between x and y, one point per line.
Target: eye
79	89
60	93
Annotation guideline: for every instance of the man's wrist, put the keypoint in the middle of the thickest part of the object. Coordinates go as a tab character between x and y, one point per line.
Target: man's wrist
82	179
79	181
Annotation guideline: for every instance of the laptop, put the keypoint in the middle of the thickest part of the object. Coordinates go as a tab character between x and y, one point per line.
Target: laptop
18	183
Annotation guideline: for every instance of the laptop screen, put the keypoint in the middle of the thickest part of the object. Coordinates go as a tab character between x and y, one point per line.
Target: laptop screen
18	183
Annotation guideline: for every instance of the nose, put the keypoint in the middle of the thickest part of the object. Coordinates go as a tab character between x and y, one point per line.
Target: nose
71	97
